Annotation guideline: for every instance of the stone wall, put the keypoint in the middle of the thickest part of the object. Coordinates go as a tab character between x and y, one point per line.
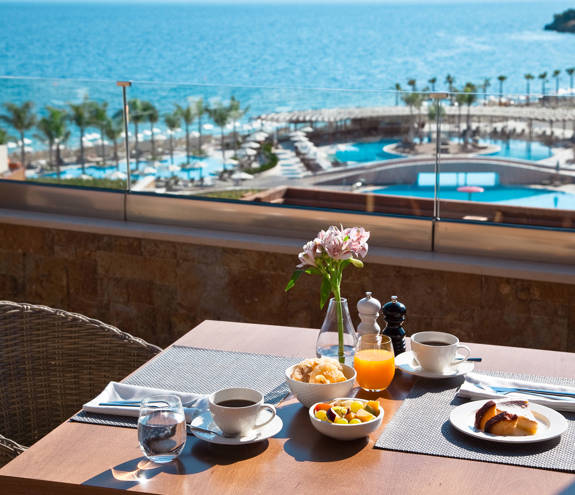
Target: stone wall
159	290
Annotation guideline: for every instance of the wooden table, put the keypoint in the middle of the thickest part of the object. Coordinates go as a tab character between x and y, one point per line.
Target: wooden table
84	458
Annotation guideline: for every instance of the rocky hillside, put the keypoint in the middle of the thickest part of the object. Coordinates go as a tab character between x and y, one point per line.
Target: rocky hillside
564	22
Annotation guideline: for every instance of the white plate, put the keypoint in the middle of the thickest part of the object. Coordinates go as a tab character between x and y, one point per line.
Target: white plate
406	362
551	423
257	435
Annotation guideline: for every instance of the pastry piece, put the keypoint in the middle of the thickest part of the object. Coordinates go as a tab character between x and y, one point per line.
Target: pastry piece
318	370
504	424
526	422
484	414
509	418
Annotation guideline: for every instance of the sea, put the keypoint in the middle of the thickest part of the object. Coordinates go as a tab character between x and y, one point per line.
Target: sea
272	57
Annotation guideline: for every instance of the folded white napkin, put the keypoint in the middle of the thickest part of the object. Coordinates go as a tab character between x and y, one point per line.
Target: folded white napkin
194	404
471	389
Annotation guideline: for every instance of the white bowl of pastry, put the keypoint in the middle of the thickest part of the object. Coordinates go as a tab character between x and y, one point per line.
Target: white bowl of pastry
319	380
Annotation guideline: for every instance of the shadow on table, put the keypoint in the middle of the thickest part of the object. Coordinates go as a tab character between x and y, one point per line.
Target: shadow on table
197	456
430	386
568	490
305	443
134	472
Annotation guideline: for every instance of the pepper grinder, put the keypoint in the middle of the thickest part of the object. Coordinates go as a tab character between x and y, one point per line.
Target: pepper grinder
368	310
394	316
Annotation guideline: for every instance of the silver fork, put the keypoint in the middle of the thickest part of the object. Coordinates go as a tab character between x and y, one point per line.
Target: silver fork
550	394
129	403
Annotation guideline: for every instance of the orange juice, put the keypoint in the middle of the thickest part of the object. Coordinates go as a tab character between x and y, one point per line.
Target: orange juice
375	368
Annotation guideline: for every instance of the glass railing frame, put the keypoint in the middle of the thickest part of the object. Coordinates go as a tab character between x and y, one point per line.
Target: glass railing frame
129	198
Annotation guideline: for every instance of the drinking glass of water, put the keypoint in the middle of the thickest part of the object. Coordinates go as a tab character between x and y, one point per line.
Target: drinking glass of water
162	427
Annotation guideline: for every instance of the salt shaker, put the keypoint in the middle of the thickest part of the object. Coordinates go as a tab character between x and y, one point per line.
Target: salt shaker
368	309
394	315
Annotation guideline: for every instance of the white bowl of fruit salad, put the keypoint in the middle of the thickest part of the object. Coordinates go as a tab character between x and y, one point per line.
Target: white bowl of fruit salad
346	418
320	379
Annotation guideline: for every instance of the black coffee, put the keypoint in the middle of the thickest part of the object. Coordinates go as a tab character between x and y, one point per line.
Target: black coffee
236	403
434	342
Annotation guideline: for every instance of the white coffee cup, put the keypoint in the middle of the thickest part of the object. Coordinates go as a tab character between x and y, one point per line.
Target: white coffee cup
437	351
236	410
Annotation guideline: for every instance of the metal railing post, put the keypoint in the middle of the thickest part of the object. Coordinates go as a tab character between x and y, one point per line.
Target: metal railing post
126	115
437	97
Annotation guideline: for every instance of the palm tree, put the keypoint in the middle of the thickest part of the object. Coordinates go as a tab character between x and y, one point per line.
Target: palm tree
21	119
220	114
201	109
501	80
432	111
397	93
47	136
412	100
555	74
460	100
54	131
61	131
3	136
80	116
113	129
172	121
469	96
432	81
484	86
99	118
543	77
187	114
412	83
528	78
151	116
137	116
236	113
570	71
450	80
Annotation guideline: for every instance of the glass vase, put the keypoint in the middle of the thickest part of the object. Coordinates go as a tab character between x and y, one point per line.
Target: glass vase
328	339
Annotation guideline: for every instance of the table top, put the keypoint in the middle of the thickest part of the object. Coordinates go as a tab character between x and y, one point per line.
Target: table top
86	458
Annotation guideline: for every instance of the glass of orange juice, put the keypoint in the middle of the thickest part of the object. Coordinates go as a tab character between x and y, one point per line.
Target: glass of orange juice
374	362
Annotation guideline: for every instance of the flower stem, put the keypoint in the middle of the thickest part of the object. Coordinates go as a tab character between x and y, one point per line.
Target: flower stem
340	354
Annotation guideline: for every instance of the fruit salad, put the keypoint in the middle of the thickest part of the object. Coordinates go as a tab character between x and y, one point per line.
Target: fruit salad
347	411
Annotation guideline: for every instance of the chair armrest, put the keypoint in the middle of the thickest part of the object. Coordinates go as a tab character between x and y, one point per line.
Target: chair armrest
9	449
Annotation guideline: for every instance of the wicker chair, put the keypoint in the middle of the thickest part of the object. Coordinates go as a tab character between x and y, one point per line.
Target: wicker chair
52	362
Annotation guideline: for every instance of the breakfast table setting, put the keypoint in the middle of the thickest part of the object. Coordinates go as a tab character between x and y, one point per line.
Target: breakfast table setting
236	407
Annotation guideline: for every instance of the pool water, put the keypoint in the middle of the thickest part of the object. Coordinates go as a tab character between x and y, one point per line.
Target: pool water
517	148
367	152
512	148
206	166
512	195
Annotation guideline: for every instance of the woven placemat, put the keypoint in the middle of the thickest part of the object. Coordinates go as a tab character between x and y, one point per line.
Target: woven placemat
203	371
421	425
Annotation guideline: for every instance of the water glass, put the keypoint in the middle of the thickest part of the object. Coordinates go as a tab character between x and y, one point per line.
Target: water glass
162	427
374	362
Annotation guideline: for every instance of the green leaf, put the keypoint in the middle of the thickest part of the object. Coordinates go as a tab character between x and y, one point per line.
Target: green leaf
312	270
325	292
345	263
356	263
293	279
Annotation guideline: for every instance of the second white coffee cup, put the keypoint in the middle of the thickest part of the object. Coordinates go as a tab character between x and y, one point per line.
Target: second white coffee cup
437	351
236	410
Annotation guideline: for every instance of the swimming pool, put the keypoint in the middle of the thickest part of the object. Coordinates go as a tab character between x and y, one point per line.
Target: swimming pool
366	152
512	148
504	195
517	148
205	166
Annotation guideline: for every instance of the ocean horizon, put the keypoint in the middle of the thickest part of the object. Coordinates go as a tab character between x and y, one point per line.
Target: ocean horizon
272	57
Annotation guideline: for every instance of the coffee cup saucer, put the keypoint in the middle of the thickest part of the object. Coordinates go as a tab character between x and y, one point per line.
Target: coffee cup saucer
406	362
205	420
